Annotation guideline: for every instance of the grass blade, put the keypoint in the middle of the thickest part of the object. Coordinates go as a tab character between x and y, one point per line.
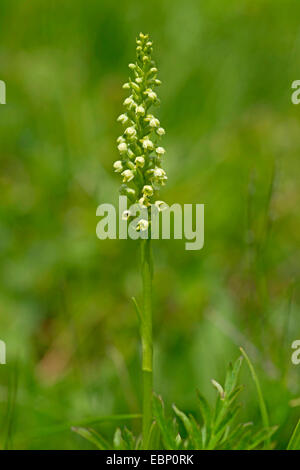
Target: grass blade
92	436
294	443
261	401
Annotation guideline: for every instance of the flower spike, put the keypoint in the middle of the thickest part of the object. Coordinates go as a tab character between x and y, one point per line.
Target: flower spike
140	162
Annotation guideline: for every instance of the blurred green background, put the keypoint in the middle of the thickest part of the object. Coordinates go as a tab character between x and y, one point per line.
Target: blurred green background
233	143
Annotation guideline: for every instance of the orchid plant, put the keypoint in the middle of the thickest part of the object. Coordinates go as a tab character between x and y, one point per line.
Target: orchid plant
140	166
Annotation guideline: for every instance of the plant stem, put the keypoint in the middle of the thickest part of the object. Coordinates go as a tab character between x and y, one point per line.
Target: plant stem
147	342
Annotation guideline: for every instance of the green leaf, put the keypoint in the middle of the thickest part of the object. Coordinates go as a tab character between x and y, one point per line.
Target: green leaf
261	401
244	438
137	309
227	419
233	395
119	443
232	376
154	436
92	436
191	428
196	433
235	436
204	410
262	436
294	443
129	439
166	432
228	415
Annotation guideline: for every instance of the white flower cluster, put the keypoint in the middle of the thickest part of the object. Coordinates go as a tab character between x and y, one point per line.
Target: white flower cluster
140	163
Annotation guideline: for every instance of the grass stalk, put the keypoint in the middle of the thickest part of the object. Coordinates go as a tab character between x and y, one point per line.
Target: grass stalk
261	401
146	336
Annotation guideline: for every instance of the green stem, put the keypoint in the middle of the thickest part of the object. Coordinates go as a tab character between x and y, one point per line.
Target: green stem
147	342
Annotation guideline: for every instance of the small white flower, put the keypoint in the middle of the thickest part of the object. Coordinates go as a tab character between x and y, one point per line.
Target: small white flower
151	94
148	144
143	225
140	110
126	86
128	175
130	131
139	161
157	82
126	214
143	203
129	102
132	66
139	80
161	205
160	131
159	176
153	70
118	166
147	190
154	122
158	172
122	147
160	151
123	118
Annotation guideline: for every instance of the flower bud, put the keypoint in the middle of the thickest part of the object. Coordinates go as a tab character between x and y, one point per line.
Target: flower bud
147	144
158	172
126	214
160	151
129	102
123	118
140	162
122	147
160	131
140	110
151	94
143	203
118	166
142	225
130	132
128	175
154	122
148	190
